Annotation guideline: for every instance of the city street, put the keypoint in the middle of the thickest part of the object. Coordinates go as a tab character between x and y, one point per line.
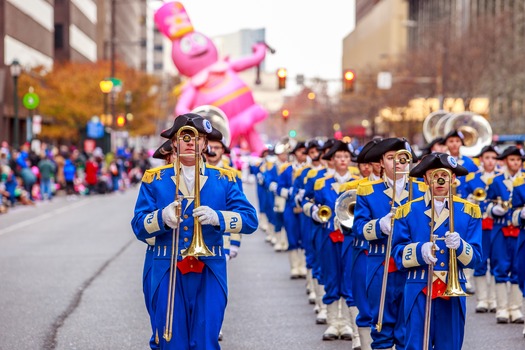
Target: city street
70	278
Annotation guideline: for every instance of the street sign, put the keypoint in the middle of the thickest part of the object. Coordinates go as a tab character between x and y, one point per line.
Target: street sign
95	130
31	100
117	84
37	124
384	80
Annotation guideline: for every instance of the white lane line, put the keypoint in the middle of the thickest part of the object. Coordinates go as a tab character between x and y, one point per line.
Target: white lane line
34	220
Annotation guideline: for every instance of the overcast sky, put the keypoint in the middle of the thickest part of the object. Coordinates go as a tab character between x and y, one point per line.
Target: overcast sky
307	35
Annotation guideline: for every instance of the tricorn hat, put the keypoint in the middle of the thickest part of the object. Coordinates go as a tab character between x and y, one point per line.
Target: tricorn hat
511	151
454	133
191	119
387	145
164	150
339	146
486	149
361	156
428	148
435	161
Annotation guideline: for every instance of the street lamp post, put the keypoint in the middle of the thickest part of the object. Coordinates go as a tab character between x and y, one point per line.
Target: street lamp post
106	86
16	70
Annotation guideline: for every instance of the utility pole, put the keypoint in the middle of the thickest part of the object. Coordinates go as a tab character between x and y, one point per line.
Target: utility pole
113	34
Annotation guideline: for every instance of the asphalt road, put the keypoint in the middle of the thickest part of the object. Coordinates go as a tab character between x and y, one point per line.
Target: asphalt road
70	278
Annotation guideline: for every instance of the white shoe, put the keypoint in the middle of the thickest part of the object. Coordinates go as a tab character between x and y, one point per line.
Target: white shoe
311	297
516	316
502	316
482	307
321	316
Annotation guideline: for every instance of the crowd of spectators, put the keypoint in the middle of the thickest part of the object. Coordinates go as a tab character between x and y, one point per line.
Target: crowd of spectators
31	175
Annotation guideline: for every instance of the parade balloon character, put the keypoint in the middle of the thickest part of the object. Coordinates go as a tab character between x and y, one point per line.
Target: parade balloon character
212	81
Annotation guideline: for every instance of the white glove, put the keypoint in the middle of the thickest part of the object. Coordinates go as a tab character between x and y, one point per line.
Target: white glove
426	252
284	193
498	210
522	213
273	187
337	224
260	178
386	224
206	215
315	216
234	250
169	217
452	240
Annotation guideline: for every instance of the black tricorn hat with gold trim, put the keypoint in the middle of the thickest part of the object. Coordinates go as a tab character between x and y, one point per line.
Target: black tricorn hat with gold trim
202	125
435	161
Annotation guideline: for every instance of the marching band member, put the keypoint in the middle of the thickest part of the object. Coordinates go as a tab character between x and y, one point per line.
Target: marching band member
256	170
326	191
320	169
518	220
436	145
373	218
354	276
412	251
504	237
313	153
215	156
279	239
200	284
485	293
285	189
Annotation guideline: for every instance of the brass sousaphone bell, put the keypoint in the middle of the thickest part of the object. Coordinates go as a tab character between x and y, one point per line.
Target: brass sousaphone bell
218	120
344	208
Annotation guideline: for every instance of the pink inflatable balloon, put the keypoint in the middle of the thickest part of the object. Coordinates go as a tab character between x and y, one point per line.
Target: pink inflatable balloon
212	81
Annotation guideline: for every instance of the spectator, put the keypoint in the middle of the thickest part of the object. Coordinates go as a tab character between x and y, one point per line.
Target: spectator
69	177
47	171
91	174
28	178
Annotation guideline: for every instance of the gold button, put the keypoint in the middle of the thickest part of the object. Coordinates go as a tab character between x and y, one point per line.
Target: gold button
191	266
442	264
186	239
442	251
185	228
191	258
185	216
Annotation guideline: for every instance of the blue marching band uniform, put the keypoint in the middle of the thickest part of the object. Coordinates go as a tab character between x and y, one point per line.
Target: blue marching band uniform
201	285
344	265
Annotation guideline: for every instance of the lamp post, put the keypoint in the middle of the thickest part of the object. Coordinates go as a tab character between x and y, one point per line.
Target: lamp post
16	70
106	86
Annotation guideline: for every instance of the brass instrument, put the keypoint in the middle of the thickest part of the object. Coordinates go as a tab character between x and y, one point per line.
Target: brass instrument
344	208
453	286
479	194
429	125
506	205
197	247
402	156
325	213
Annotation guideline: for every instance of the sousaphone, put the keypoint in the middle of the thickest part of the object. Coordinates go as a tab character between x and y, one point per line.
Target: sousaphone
476	130
218	120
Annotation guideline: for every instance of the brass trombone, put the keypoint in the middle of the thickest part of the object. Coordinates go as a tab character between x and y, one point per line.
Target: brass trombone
197	247
402	156
453	286
345	207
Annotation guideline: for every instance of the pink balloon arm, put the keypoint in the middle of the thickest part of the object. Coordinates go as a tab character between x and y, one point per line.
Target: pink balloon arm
244	63
186	98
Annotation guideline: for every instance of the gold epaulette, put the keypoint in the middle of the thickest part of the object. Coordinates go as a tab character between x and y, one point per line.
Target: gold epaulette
403	210
476	161
224	173
153	173
491	179
269	166
518	181
354	170
366	188
423	187
351	185
319	183
470	177
283	167
299	171
469	208
311	173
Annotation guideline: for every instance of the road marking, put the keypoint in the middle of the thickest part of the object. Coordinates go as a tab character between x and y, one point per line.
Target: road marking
42	217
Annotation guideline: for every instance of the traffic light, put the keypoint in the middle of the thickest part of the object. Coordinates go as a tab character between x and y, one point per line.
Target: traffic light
348	80
121	121
285	114
282	73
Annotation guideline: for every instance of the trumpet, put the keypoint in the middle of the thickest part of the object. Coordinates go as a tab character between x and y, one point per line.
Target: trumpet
479	194
325	213
398	159
453	286
197	247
